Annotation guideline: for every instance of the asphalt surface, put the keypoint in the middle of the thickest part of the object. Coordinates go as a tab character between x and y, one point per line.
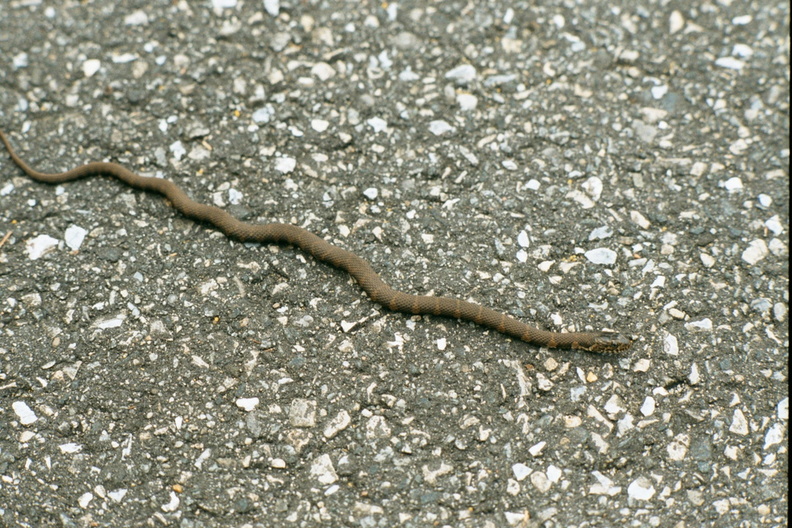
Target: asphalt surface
580	165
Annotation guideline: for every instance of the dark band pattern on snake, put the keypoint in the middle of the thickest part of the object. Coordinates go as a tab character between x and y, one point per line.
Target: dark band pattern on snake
359	269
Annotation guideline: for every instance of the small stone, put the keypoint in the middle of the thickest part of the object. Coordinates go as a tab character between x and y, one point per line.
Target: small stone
440	127
677	449
263	114
601	256
523	240
703	324
732	184
302	413
39	246
91	66
319	125
675	22
85	499
648	407
774	224
462	74
641	489
756	251
74	237
371	193
739	425
707	260
593	187
337	424
775	435
323	471
323	71
521	471
137	18
600	233
639	219
780	311
540	481
730	63
247	404
272	7
536	449
25	413
377	124
467	102
285	164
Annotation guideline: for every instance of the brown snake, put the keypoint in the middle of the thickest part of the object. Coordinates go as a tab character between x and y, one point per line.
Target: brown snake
366	277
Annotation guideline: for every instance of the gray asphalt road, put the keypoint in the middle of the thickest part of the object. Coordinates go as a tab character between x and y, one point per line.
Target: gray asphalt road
580	165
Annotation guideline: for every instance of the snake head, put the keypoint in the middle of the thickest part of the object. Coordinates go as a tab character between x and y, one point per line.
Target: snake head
610	343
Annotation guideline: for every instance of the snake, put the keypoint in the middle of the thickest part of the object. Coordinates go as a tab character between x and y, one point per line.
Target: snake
606	341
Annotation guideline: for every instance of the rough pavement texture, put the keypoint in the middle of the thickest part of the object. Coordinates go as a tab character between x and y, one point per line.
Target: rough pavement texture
576	164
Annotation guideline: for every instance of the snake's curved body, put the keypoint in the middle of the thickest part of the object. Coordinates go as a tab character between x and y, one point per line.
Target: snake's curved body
366	277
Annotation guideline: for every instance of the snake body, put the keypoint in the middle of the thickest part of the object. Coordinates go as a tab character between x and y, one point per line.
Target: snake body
359	269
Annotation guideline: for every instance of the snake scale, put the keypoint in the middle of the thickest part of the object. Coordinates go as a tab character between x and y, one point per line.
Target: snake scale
359	269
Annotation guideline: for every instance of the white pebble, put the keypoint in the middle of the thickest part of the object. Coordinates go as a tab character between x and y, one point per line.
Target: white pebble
91	66
600	233
739	425
738	147
378	124
730	62
178	150
593	187
521	471
639	219
138	18
522	256
532	184
509	164
757	250
677	450
707	259
323	71
601	256
85	499
648	407
320	125
69	448
742	20
782	409
780	311
742	50
775	435
442	343
439	127
704	324
39	246
223	4
694	377
732	184
285	164
523	240
322	470
173	504
764	201
337	424
670	345
536	449
540	481
462	74
263	114
272	7
467	102
371	193
641	489
247	404
675	22
74	236
25	413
